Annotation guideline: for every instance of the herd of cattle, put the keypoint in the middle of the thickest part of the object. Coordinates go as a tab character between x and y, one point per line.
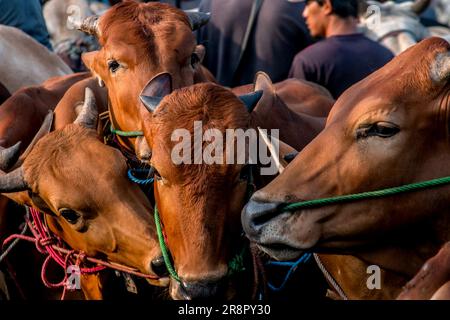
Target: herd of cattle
69	140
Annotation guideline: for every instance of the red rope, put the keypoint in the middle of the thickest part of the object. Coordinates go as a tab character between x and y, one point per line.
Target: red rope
52	246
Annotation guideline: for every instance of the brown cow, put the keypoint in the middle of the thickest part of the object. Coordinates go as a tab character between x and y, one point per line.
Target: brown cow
209	197
22	114
140	40
388	130
301	96
97	220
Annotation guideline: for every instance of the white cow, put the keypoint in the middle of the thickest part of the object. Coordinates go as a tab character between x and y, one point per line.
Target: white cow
397	25
25	62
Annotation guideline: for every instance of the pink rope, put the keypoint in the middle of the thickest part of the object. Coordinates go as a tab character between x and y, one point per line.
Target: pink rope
46	244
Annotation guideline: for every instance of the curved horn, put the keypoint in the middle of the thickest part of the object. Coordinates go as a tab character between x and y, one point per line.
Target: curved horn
420	6
198	19
9	156
89	114
13	182
89	25
250	100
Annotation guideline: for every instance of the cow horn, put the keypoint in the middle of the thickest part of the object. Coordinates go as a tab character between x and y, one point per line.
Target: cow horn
198	19
420	6
9	156
89	25
89	114
13	181
250	100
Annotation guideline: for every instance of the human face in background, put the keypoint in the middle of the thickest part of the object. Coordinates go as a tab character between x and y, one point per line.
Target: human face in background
316	17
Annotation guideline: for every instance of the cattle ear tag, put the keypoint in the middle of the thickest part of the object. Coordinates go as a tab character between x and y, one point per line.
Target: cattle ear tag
129	283
250	100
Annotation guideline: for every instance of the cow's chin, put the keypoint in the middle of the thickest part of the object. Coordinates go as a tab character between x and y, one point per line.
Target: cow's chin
287	238
161	282
281	252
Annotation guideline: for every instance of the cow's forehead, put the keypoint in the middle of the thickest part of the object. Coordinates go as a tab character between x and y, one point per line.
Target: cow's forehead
67	156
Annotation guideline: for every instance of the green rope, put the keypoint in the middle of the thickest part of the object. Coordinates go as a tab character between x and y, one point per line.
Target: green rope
237	264
164	250
127	133
366	195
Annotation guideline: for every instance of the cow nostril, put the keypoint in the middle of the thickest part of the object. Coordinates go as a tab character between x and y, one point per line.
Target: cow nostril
258	213
203	290
159	267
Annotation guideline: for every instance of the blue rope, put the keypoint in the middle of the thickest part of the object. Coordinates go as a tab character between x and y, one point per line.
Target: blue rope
293	266
137	180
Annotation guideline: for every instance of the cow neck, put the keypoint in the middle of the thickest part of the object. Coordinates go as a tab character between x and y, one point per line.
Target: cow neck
237	263
111	138
114	129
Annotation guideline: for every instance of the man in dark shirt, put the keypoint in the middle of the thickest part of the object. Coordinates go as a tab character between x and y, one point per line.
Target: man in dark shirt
274	37
27	16
345	56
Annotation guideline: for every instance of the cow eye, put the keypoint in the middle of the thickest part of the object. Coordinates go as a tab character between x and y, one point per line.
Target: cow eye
113	66
71	216
194	59
379	129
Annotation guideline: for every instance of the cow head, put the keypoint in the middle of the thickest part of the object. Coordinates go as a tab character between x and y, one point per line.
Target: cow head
138	41
388	130
199	199
82	186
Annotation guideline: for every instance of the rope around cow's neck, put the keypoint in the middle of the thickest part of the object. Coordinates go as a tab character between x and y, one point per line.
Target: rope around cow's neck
128	134
45	244
236	264
164	250
364	195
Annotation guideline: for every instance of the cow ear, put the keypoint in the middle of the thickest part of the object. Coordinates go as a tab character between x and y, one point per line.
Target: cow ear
155	90
263	83
200	51
250	100
89	59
